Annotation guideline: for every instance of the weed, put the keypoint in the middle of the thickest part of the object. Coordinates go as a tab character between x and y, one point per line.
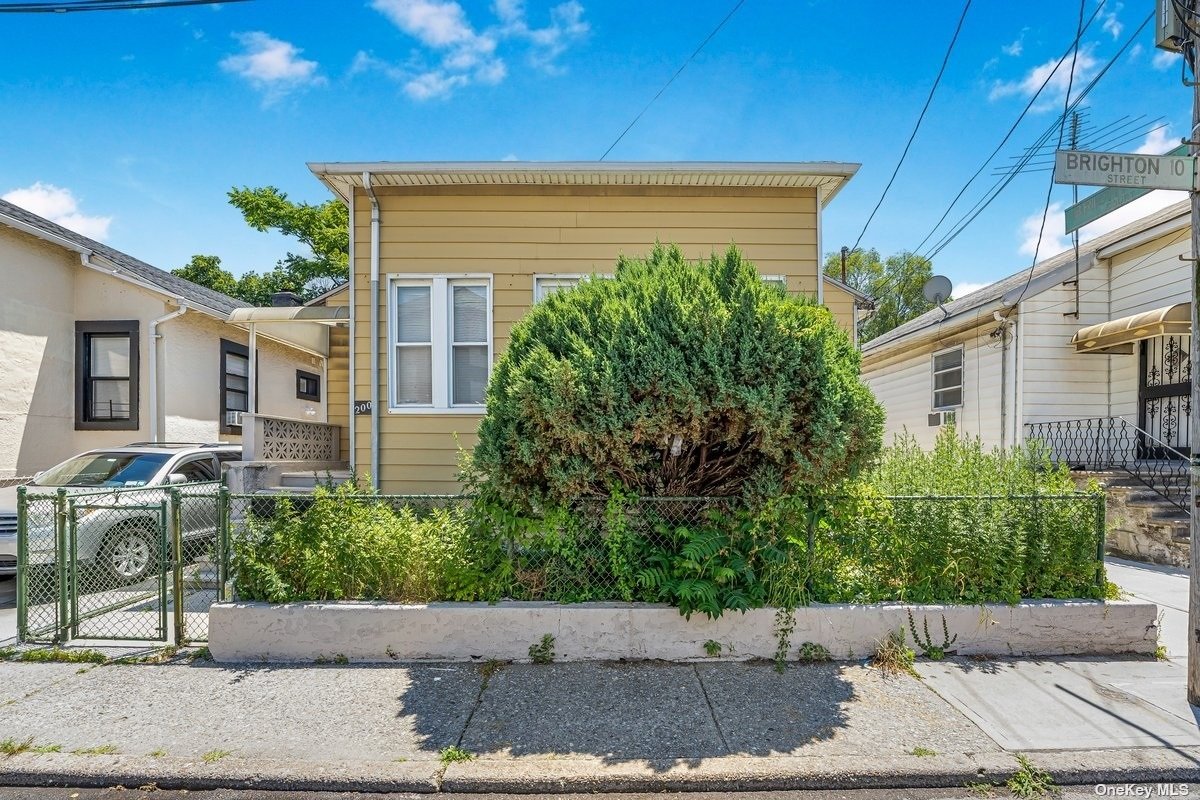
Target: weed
213	756
453	754
321	659
390	653
46	748
81	671
785	623
981	789
158	752
7	652
1029	781
1161	654
56	655
14	747
1112	591
490	668
712	648
400	760
812	653
543	651
922	752
201	654
98	750
935	652
341	659
893	656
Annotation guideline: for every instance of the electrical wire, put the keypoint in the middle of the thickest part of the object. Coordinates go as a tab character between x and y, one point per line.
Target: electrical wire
671	80
66	6
920	118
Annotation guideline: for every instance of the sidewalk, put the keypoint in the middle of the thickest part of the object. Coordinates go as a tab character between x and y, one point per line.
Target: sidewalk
601	727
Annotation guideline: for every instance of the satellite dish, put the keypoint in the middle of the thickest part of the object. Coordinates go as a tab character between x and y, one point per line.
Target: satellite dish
937	289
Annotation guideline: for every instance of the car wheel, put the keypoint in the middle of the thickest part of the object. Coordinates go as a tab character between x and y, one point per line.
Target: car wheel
130	552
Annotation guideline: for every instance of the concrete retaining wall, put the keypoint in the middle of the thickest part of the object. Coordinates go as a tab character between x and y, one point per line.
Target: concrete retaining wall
364	632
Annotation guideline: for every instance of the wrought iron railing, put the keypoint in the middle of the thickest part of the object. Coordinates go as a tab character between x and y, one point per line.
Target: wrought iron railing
1112	443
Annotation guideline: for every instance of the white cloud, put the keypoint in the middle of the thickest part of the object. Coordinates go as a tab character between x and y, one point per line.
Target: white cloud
1165	59
1017	46
1136	51
1047	239
966	287
464	55
1059	74
1054	240
1157	142
61	206
1112	24
271	65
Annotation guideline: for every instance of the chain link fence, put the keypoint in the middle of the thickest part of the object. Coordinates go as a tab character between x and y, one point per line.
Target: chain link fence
127	564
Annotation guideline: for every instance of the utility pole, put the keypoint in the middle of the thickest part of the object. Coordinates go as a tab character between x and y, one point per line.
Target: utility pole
1074	200
1193	685
845	252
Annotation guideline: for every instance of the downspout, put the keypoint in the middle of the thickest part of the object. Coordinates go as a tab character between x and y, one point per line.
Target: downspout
1003	380
374	304
351	390
157	408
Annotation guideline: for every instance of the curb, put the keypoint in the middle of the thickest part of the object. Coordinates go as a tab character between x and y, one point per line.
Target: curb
594	775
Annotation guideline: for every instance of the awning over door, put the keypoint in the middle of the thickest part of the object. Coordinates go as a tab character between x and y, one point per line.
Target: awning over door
1118	335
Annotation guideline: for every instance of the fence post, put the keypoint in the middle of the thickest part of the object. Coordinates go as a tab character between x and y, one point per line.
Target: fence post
62	633
22	564
223	540
73	553
175	532
1101	526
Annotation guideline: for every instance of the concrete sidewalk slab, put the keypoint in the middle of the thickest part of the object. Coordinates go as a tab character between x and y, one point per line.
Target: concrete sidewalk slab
831	709
1165	586
313	714
1047	705
19	680
612	711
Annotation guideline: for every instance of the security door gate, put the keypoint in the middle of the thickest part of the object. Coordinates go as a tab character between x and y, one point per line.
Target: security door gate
131	564
1165	395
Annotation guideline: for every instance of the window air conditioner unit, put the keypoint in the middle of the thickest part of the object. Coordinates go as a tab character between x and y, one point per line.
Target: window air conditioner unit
939	418
233	419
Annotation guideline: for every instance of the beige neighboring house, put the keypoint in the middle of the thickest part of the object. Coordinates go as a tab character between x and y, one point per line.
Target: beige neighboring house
446	257
1089	356
100	349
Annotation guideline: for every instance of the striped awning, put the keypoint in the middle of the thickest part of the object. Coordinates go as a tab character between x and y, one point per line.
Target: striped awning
1105	337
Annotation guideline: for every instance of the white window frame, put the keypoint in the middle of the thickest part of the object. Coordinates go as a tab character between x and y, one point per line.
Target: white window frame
441	334
933	373
775	280
549	277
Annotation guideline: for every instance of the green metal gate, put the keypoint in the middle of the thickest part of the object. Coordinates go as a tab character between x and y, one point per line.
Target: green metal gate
139	564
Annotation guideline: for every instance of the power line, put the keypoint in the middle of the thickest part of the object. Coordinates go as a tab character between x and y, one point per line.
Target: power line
1050	189
682	67
68	6
920	118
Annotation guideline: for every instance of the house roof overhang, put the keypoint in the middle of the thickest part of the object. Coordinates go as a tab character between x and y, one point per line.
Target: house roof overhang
303	327
827	177
1118	335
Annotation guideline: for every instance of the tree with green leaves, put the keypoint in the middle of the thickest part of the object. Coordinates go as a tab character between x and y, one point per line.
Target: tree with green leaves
896	284
323	228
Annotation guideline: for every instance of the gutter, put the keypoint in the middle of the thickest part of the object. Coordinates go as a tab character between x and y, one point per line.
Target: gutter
366	177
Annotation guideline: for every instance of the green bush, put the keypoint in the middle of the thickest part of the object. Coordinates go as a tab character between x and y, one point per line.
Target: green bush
675	378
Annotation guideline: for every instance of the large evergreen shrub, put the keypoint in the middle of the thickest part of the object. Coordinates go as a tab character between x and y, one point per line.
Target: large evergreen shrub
675	378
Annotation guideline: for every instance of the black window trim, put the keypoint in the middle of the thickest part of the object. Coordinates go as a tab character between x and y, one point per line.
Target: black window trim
84	329
312	376
228	347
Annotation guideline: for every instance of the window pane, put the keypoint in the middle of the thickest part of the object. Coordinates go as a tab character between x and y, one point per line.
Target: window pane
412	314
237	365
236	401
947	398
110	400
548	286
470	374
414	376
947	360
946	380
109	356
470	313
234	382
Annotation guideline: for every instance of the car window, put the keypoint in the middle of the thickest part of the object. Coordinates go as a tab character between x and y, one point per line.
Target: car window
197	469
104	469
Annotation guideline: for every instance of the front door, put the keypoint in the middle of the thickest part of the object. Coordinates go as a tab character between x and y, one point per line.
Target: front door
1165	396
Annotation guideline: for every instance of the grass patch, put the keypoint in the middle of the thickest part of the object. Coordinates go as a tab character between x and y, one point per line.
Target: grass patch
158	752
490	668
923	752
1030	781
98	750
813	653
893	656
201	654
213	756
57	655
14	747
981	789
454	754
7	653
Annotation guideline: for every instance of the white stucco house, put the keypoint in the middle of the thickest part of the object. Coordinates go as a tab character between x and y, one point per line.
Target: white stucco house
1089	356
101	349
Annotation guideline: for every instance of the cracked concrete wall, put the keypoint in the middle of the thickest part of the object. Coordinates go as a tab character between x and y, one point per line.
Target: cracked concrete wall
380	632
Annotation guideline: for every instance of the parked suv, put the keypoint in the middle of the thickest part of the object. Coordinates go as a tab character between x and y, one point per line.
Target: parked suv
119	530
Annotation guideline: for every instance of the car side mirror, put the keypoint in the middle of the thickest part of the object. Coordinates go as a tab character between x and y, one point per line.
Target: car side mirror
176	478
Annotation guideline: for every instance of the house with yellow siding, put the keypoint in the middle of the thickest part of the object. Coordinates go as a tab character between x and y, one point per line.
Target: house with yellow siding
446	257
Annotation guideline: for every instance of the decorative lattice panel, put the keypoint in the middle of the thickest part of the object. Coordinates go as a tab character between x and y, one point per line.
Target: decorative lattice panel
295	440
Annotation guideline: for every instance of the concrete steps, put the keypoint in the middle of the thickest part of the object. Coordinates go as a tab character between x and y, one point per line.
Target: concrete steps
1142	523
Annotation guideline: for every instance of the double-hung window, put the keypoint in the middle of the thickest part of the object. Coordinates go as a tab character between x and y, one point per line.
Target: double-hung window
235	385
106	375
441	342
948	379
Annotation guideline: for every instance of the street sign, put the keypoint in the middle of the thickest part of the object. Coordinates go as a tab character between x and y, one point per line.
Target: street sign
1128	170
1106	201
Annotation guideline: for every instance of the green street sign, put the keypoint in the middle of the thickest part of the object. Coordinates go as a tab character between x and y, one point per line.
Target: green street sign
1107	200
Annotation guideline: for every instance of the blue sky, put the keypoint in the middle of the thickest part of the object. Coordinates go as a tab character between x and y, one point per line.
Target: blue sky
131	126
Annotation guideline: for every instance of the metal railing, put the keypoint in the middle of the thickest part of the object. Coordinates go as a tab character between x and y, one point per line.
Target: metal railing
1111	443
279	439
